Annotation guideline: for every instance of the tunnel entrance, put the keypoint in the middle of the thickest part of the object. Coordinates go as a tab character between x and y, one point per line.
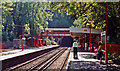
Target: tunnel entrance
66	42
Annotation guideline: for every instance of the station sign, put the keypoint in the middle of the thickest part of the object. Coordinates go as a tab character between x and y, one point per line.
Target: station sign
103	33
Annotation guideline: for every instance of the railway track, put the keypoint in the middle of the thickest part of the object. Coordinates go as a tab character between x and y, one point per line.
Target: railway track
55	63
41	62
28	64
49	62
61	62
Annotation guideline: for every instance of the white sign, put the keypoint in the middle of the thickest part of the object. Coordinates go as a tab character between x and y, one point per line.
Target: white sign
103	33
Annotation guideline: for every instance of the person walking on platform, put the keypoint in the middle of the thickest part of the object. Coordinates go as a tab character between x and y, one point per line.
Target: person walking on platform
85	46
100	53
75	46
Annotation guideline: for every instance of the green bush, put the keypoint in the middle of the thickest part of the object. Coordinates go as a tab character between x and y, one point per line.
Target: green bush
116	58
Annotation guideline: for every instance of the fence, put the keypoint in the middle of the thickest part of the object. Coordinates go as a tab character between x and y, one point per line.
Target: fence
113	48
2	46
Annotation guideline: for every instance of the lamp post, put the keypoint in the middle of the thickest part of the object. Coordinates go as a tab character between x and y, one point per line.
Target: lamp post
79	42
38	39
90	45
106	54
22	34
22	37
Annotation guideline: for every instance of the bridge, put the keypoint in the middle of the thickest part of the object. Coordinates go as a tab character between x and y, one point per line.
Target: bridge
56	32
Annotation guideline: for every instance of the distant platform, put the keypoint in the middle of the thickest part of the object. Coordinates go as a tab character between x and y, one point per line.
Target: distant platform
15	57
19	52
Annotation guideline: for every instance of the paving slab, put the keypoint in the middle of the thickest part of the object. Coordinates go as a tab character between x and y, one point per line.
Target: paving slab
86	62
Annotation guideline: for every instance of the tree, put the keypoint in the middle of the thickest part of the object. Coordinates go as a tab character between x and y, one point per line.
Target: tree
35	15
60	20
7	23
83	12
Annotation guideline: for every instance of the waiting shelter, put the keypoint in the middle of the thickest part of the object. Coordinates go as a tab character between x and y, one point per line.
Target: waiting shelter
86	36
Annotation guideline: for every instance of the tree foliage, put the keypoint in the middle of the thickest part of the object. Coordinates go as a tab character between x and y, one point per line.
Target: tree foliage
33	15
36	15
83	12
60	20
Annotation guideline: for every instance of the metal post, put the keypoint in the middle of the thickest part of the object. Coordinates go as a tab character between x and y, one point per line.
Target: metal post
85	38
58	32
47	36
64	32
22	37
105	4
83	42
40	42
106	61
38	39
34	41
79	42
90	37
41	38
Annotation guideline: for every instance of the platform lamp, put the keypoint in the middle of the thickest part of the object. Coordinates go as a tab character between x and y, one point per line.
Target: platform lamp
90	45
106	56
38	39
22	34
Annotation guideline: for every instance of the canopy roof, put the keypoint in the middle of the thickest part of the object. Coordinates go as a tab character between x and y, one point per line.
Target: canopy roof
81	31
57	29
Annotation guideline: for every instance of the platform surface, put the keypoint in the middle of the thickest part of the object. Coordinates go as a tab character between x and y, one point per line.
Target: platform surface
19	52
86	62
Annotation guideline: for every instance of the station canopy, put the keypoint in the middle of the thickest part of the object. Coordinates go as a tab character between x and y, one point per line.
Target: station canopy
79	32
58	29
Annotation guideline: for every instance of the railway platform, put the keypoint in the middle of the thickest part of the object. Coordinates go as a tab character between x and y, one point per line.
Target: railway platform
14	57
87	62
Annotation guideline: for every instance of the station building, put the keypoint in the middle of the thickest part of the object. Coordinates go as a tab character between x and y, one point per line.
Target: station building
83	35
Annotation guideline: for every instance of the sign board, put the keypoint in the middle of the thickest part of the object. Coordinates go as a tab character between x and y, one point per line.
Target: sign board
103	39
103	33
